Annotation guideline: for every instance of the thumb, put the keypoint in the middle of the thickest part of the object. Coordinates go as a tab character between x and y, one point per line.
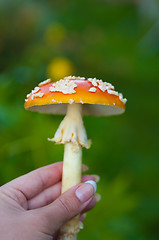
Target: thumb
67	206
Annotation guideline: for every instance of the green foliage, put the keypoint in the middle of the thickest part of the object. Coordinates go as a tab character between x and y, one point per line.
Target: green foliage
114	40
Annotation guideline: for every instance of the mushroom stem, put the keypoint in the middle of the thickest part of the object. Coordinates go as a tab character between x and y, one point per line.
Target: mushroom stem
71	132
71	176
72	164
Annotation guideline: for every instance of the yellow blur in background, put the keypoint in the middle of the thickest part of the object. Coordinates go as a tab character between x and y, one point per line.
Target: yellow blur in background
59	68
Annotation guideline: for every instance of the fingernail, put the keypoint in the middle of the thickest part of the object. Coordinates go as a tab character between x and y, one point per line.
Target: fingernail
84	168
93	183
97	197
86	191
96	178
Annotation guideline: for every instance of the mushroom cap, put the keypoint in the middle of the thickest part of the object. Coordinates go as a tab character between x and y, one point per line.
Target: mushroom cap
97	97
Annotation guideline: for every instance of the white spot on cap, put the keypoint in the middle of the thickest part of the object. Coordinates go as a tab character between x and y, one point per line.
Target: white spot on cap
103	86
36	89
124	100
28	95
93	81
113	92
92	89
71	101
74	78
44	82
65	86
39	94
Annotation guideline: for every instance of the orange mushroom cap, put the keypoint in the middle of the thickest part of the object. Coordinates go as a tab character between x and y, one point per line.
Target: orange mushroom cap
97	97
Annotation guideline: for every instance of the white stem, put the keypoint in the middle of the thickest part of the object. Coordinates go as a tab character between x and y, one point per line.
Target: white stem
72	164
72	133
74	110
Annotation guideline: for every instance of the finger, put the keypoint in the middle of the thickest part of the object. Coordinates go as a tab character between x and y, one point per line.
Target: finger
96	198
64	208
91	205
84	168
38	180
82	217
95	178
46	197
50	194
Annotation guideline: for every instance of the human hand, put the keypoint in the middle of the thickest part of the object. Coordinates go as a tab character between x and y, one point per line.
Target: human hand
31	207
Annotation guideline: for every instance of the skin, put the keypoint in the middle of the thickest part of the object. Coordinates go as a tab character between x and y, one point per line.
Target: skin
31	206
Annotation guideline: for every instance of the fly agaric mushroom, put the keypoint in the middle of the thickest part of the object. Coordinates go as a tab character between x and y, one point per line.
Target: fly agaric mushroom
74	96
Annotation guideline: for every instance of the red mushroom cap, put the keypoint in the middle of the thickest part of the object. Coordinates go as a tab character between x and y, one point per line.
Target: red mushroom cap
97	97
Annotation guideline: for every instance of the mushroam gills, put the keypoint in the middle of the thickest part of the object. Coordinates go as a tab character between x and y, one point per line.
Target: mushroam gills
75	97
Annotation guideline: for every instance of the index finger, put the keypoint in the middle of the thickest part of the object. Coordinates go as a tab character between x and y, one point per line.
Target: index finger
38	180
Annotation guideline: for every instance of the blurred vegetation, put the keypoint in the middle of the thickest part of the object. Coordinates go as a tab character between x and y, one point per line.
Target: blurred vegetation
117	41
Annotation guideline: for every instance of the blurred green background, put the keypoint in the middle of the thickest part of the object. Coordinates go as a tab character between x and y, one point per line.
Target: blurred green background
117	41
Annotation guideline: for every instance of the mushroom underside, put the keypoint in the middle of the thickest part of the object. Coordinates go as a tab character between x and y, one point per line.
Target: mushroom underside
88	109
